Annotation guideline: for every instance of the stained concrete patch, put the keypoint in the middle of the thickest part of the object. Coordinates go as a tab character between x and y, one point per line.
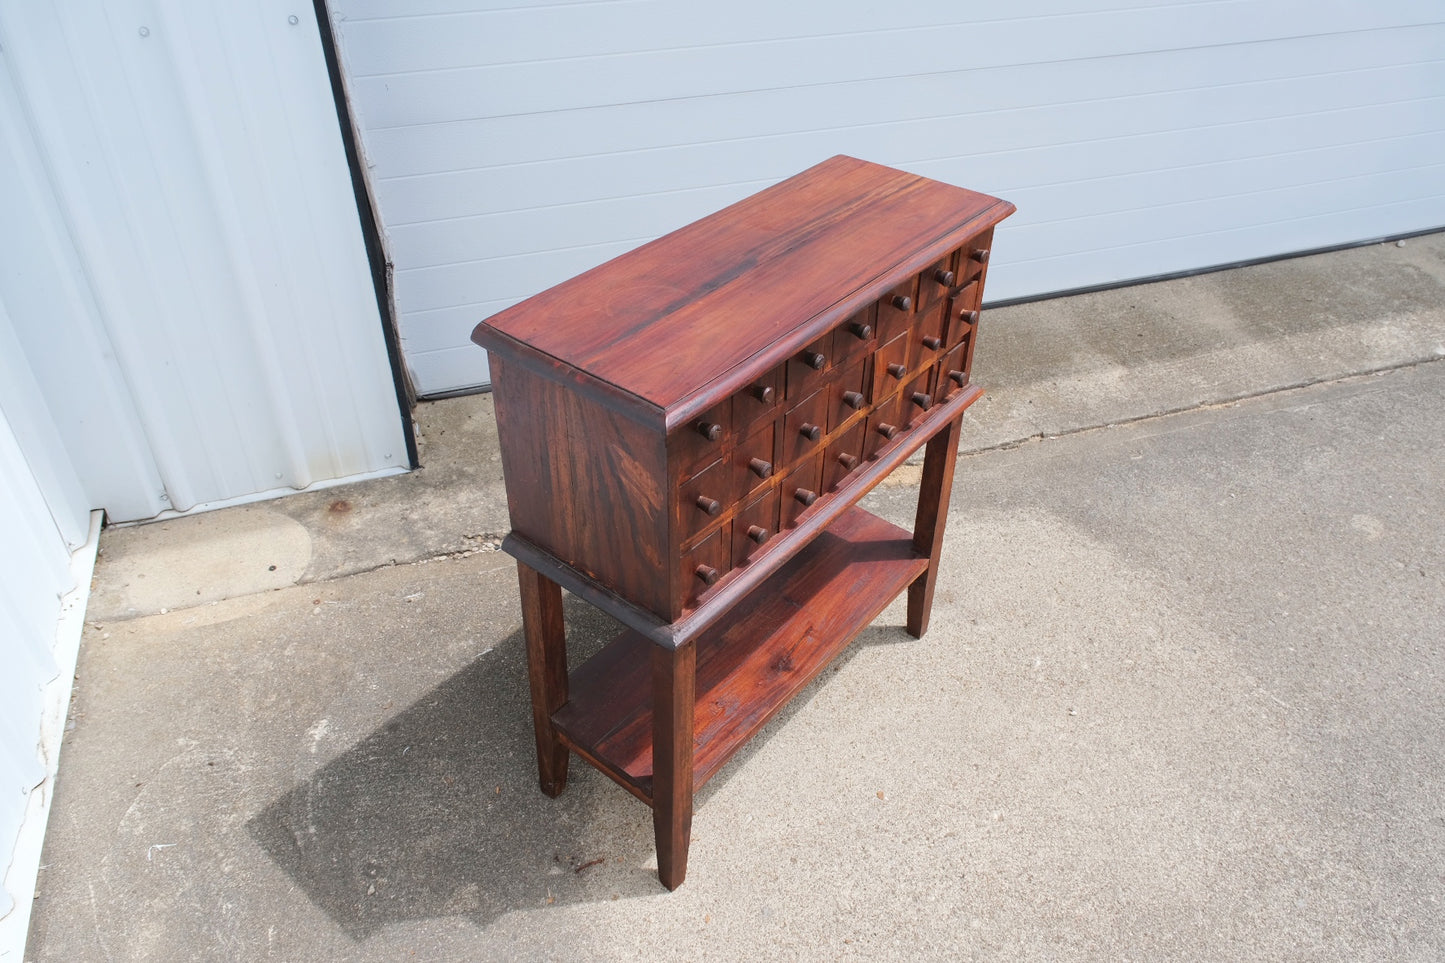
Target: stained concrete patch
198	559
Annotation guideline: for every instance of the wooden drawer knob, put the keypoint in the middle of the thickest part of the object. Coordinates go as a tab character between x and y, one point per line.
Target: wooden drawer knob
969	315
957	377
758	533
922	400
709	430
902	302
981	255
943	277
887	430
897	370
932	343
853	399
707	573
814	360
805	496
861	331
810	432
710	505
763	393
848	461
763	469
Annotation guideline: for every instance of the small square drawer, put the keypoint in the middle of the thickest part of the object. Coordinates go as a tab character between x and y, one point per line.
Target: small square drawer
890	367
701	440
884	426
754	526
804	426
847	392
808	368
801	490
896	307
758	400
856	336
704	497
844	454
952	373
916	400
928	337
755	458
937	280
975	256
704	566
963	316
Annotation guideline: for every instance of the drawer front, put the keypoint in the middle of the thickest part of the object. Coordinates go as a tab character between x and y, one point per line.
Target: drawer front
963	317
800	491
704	567
701	441
704	497
808	369
804	426
896	307
857	336
938	280
916	400
952	373
754	527
890	367
758	400
755	459
844	455
848	391
883	429
974	261
926	343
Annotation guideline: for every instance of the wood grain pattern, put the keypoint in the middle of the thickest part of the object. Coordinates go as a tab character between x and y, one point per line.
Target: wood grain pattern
567	461
546	671
933	496
764	263
673	682
750	662
685	432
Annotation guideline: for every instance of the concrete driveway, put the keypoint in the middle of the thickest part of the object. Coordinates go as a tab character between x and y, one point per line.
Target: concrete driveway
1182	698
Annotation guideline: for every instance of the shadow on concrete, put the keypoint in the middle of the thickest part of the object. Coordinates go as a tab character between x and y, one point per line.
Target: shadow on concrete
438	813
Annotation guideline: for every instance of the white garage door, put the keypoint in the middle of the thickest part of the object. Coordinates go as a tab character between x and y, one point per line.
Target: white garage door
513	146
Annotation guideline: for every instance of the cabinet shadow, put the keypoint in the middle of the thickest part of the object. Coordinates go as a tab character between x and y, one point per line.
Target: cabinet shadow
438	813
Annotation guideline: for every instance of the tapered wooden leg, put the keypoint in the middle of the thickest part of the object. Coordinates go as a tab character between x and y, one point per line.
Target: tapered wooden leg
546	671
933	494
673	684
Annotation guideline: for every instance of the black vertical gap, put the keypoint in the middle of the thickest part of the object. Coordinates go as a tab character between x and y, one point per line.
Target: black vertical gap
370	232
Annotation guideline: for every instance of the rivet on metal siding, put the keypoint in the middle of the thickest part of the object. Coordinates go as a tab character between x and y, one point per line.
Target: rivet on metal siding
293	20
145	31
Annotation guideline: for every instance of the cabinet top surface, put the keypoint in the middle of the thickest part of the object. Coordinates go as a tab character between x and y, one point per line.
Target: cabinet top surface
741	289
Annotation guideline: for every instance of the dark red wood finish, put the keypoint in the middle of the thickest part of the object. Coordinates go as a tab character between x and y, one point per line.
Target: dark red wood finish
685	431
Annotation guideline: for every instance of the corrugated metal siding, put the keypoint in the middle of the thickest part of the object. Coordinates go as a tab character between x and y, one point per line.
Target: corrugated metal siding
513	146
34	574
182	257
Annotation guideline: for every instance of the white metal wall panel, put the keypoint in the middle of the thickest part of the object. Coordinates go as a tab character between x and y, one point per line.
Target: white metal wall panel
182	257
34	574
514	145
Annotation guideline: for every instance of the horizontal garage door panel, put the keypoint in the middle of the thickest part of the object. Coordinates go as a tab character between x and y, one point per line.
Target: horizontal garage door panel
512	148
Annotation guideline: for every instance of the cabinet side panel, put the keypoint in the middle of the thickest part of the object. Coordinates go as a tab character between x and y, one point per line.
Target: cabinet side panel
584	483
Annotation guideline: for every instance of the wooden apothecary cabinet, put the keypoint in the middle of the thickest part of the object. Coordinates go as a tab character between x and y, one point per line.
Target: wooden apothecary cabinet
685	431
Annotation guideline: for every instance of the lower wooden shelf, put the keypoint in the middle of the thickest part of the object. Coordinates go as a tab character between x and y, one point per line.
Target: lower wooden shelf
751	661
